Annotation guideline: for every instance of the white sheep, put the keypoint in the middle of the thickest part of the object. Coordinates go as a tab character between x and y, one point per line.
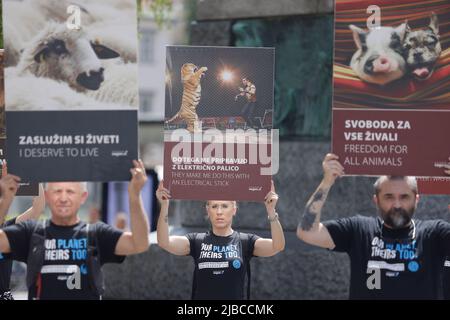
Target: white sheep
120	37
47	56
27	92
117	4
115	27
66	55
120	10
92	11
20	24
120	85
13	44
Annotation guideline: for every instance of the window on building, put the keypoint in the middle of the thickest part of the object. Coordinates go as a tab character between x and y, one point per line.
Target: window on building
147	45
146	104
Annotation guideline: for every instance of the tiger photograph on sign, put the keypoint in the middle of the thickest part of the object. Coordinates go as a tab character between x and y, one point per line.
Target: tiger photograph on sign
218	122
210	88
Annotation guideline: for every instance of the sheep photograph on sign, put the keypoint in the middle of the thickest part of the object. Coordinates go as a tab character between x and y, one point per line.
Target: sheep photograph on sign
391	106
71	89
25	188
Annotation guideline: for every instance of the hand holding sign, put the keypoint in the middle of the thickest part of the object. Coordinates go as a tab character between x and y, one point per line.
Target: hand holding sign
9	184
138	178
271	200
447	167
332	169
162	194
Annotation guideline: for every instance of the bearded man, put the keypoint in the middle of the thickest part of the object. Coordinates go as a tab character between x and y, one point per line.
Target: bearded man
393	255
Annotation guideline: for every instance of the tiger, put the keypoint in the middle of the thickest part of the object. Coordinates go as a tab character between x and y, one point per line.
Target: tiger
192	92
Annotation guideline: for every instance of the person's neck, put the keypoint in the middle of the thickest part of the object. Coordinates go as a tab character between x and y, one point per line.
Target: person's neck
392	228
65	222
223	232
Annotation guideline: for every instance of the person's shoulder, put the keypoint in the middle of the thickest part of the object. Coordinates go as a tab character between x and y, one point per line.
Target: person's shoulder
432	224
431	228
247	236
358	219
367	222
196	235
101	226
27	225
366	219
244	234
9	222
31	224
199	233
355	222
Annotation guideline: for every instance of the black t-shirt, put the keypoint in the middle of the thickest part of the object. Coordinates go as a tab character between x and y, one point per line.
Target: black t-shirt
447	278
220	264
409	261
5	265
64	273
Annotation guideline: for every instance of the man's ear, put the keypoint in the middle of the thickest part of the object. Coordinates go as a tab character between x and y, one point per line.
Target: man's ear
46	196
104	52
375	200
417	199
84	197
207	213
234	209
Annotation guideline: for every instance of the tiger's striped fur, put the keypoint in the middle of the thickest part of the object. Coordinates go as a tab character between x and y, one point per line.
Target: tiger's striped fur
192	92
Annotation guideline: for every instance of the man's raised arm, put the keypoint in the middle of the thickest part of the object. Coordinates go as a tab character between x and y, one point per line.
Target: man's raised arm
310	229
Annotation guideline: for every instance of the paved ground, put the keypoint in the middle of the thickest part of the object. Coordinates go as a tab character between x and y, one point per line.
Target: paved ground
20	295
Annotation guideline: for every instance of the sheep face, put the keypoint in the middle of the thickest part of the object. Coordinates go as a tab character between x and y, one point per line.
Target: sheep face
68	56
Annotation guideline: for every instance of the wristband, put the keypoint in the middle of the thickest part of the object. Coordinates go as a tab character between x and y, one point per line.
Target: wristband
274	218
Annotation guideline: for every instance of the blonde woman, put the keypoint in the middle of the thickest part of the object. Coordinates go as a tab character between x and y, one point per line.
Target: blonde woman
221	255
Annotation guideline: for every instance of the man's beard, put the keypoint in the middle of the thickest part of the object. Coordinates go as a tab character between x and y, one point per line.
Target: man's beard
397	218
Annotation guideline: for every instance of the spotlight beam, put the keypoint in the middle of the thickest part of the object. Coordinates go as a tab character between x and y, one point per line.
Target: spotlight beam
227	76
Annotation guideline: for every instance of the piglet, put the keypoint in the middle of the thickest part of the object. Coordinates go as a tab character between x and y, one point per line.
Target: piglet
379	58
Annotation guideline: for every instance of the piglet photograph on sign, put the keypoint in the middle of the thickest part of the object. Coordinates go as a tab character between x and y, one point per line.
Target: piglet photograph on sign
391	108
